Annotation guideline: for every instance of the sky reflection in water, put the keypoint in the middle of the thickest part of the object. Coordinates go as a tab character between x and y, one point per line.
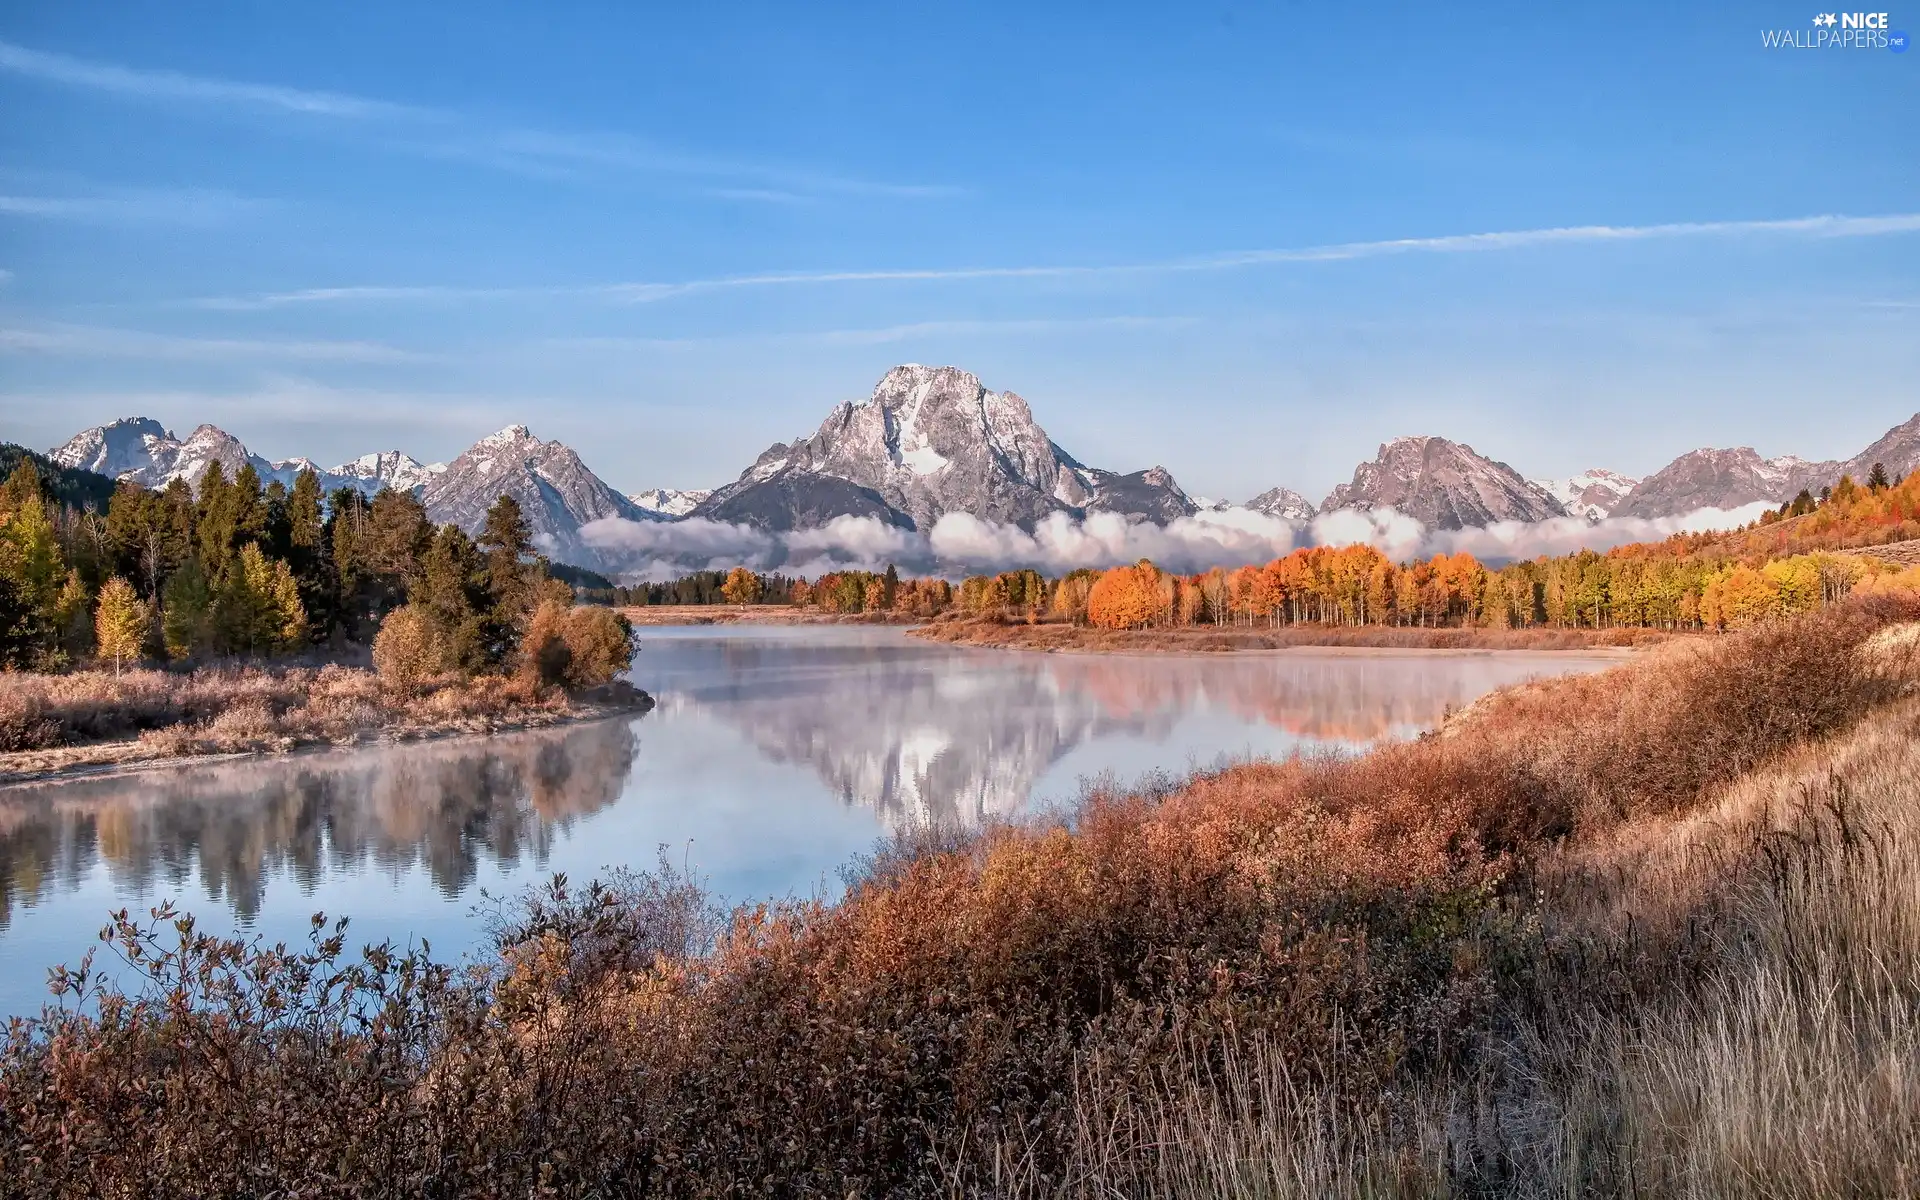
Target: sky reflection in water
775	755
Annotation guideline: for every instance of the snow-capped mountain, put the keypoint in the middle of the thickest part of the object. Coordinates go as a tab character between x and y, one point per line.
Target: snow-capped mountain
1284	503
371	472
930	441
670	502
1445	485
1591	494
141	450
555	490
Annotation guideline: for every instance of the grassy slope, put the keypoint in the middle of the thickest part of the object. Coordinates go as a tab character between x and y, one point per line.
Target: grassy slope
1409	973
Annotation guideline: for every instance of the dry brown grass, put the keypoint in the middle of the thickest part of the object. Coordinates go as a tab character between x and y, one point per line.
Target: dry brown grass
1502	961
52	723
1059	636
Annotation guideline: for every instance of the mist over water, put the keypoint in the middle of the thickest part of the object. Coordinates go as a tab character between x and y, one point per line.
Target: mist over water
773	757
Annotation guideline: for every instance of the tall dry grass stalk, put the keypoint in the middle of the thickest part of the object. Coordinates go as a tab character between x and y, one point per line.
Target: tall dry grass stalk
1725	1004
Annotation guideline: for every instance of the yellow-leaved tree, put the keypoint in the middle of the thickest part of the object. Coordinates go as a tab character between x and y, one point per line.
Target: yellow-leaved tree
120	623
742	587
281	617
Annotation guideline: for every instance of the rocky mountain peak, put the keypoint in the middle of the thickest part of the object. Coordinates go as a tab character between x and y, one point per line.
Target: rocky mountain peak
927	442
1591	494
141	450
555	490
1284	503
1444	485
669	502
1717	478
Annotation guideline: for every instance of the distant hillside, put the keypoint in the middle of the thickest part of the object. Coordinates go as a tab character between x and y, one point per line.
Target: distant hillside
70	485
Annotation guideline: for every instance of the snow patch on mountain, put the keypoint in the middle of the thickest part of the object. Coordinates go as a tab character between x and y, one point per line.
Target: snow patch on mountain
1591	494
669	502
141	450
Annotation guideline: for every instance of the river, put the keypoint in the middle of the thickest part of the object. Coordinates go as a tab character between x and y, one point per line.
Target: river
774	757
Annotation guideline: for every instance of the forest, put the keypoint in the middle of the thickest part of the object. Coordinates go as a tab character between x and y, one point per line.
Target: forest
265	605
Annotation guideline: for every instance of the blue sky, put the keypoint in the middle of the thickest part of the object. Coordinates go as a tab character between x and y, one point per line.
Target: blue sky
1236	241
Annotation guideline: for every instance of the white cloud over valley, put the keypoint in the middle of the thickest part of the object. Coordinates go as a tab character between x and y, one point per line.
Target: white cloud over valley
961	544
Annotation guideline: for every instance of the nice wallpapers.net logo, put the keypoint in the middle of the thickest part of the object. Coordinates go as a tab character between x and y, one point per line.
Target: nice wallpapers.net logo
1839	31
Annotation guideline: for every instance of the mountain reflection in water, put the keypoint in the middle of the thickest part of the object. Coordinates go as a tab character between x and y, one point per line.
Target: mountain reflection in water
774	755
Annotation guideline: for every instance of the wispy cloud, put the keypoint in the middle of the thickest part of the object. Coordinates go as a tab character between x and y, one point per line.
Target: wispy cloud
876	336
1816	227
187	206
443	133
95	341
171	85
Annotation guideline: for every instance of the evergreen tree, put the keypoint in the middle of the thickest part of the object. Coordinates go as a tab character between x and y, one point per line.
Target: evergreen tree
890	587
305	521
249	506
120	623
23	482
453	590
507	540
277	539
187	613
398	534
1877	478
73	618
309	555
279	621
216	521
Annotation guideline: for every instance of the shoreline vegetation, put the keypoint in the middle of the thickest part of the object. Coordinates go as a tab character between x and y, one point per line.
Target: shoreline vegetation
1057	637
86	722
284	618
1654	930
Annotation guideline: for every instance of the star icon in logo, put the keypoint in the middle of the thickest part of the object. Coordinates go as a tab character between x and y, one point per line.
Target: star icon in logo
1826	19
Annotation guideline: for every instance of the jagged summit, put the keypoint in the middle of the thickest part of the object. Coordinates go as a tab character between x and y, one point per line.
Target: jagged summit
1443	484
1715	478
141	450
553	487
1285	503
670	502
1591	494
930	441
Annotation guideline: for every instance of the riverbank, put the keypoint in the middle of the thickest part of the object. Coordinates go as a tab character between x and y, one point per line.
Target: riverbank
52	726
1651	930
1061	637
756	614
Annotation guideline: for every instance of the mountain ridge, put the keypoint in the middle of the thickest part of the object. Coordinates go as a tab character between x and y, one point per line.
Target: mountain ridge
930	441
143	451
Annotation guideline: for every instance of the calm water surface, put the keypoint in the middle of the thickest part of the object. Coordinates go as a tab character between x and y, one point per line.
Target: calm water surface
774	756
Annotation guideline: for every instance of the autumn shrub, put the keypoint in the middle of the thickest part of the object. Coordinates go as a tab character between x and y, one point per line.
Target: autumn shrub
544	653
576	647
599	645
411	647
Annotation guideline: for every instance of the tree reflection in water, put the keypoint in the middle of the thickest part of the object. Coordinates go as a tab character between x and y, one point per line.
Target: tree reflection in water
445	806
